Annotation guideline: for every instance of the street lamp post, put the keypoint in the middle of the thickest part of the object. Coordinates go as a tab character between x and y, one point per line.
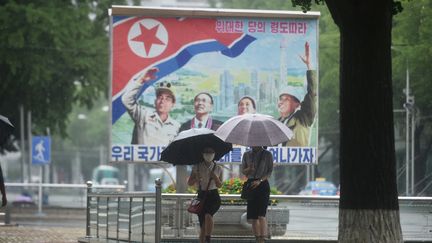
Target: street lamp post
409	142
410	128
407	147
412	146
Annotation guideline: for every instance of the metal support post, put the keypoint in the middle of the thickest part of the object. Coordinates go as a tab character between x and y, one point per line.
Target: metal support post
412	149
407	135
40	194
131	177
30	151
89	190
158	208
23	154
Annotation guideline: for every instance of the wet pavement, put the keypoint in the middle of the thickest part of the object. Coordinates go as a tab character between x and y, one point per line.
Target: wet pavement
33	234
58	225
53	225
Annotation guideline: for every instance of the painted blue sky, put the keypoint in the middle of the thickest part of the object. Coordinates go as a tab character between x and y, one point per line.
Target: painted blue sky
264	53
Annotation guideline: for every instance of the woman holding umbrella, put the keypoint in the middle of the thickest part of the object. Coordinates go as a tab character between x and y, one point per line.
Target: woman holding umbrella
208	176
257	165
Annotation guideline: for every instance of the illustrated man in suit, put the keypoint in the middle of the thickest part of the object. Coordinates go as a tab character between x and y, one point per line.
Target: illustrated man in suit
203	105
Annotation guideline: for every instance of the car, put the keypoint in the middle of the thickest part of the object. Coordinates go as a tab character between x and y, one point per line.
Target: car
110	181
319	187
106	175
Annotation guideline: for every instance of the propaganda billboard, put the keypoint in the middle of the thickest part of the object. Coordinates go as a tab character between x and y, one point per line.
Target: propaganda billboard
175	69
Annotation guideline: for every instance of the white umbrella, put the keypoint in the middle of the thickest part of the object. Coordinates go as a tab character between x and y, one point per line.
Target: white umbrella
254	130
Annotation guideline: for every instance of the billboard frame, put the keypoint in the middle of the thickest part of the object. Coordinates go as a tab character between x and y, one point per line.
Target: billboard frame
135	11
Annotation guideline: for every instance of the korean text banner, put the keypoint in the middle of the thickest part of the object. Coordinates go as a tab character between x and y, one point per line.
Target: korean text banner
170	74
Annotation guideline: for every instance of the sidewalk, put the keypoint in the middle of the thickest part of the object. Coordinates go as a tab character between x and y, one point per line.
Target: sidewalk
33	234
40	234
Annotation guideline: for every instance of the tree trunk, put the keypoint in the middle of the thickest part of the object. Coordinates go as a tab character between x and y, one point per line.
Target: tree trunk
368	209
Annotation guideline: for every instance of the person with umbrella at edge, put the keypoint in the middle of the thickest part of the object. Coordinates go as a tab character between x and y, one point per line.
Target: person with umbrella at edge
257	165
208	176
6	129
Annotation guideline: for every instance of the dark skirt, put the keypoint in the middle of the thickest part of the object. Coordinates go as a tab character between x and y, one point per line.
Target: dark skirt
211	205
257	206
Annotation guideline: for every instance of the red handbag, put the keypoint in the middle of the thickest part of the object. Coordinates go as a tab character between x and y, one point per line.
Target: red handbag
196	206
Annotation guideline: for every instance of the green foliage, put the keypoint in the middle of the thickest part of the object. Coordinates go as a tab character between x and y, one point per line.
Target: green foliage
50	47
306	4
328	77
256	4
171	189
231	186
411	48
234	186
275	191
55	64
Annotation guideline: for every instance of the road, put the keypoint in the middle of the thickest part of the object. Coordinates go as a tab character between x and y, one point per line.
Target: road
315	222
50	217
322	222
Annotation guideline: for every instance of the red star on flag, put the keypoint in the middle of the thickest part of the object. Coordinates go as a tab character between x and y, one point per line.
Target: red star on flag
148	37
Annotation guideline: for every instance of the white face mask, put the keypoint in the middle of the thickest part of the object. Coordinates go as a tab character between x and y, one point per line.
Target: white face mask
208	156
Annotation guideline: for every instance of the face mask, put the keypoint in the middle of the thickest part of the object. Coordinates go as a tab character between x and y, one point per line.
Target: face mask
208	156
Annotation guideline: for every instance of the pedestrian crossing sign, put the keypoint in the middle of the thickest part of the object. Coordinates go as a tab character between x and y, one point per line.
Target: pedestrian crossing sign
41	150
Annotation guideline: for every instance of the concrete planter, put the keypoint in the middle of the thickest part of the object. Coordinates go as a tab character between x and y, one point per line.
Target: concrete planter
231	220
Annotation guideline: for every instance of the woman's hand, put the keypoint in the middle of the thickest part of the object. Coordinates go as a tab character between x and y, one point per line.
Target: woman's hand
216	179
255	184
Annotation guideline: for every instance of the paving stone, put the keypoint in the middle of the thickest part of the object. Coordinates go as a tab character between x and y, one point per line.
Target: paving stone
31	234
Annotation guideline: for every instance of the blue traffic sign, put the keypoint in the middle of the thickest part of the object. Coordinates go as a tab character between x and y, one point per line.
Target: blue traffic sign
41	150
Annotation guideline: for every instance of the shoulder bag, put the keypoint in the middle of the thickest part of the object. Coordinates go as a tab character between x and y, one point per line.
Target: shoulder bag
196	205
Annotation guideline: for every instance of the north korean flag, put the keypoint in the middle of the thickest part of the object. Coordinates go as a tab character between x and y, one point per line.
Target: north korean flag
139	43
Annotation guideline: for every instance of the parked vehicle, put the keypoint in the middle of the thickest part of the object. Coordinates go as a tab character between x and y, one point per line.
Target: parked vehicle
106	175
319	187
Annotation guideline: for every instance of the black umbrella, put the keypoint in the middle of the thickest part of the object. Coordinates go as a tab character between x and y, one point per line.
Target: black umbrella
187	147
6	129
